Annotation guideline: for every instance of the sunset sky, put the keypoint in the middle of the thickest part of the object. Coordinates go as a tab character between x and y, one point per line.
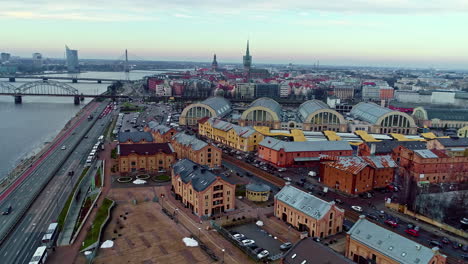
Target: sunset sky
422	33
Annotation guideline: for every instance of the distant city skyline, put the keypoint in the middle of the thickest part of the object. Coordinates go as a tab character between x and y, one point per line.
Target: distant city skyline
397	33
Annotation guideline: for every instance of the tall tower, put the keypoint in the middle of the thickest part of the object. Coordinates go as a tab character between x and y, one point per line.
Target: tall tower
214	64
247	59
126	68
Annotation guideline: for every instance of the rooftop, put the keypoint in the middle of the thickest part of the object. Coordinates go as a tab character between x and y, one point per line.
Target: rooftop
136	136
226	126
191	141
369	112
307	146
387	146
161	129
453	142
304	202
311	106
268	103
199	176
447	114
257	187
390	244
307	251
145	149
219	104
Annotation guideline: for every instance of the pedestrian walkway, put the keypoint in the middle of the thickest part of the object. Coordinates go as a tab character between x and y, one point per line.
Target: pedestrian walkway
75	205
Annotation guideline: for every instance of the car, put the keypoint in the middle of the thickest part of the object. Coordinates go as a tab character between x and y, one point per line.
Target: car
356	208
287	179
286	246
391	223
282	169
436	243
464	256
263	254
456	245
7	211
63	148
86	136
238	236
338	201
257	250
465	248
445	240
412	232
373	217
247	242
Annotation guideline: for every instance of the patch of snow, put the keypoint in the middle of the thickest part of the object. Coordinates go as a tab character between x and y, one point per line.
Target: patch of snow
259	223
87	252
107	244
190	242
139	181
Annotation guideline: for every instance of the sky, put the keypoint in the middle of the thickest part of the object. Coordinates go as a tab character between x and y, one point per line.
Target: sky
401	33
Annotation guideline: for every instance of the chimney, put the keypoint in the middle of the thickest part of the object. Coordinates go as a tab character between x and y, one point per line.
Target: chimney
372	149
435	250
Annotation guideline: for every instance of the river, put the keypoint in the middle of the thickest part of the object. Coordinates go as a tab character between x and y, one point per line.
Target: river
26	127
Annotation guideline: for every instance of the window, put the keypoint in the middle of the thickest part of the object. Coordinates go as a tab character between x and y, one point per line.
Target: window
206	196
218	188
209	149
331	216
133	163
206	211
160	162
227	207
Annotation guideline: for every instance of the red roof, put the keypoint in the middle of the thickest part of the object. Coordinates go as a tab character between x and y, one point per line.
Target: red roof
145	149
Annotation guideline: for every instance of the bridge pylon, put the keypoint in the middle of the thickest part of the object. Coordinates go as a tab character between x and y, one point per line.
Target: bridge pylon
76	99
18	99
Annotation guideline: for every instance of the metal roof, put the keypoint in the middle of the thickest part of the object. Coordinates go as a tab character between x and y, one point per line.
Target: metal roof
380	162
257	187
304	202
387	146
390	244
311	106
369	112
244	132
187	140
199	176
426	153
219	104
162	129
268	103
145	149
453	142
352	165
447	114
136	136
307	251
296	146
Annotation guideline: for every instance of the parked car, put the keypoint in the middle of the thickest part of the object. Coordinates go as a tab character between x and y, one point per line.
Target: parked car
247	242
63	148
391	223
338	201
286	246
282	169
373	217
456	245
445	240
436	243
287	179
412	232
258	250
7	210
356	208
238	236
464	256
263	254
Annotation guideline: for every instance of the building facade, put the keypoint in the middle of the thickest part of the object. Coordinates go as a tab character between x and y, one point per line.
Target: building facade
367	242
205	193
257	192
318	116
288	154
160	133
72	60
189	147
234	136
354	175
147	158
306	212
211	107
440	117
262	112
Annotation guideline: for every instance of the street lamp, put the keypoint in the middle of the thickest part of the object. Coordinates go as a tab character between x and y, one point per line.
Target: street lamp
199	229
222	250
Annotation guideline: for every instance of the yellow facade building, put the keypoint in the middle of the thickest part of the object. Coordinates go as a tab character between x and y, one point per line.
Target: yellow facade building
257	192
234	136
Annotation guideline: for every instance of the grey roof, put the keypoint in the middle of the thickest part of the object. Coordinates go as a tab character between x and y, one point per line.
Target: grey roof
297	146
304	202
199	176
161	129
136	136
390	244
187	140
311	106
219	104
244	132
453	142
268	103
257	187
387	146
426	153
313	253
447	114
381	162
369	112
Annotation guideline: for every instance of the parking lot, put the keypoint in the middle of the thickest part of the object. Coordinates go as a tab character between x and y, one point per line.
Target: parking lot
263	240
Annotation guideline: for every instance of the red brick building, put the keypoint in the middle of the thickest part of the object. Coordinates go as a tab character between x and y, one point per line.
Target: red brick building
353	175
433	166
135	137
287	154
149	157
387	147
160	133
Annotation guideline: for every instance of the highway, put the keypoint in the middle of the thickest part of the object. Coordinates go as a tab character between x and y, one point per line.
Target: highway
33	208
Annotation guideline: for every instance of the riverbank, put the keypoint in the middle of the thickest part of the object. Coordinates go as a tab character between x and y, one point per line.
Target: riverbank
26	163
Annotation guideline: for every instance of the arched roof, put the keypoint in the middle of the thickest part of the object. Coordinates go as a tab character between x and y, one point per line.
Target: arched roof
219	104
307	109
374	114
369	112
267	103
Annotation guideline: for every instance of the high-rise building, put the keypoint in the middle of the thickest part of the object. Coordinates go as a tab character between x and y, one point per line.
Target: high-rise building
247	59
72	60
214	64
37	60
5	57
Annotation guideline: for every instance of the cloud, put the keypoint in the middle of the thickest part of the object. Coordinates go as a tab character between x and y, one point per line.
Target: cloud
182	15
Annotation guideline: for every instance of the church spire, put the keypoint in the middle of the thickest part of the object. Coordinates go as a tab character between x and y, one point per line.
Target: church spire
247	59
214	64
247	53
